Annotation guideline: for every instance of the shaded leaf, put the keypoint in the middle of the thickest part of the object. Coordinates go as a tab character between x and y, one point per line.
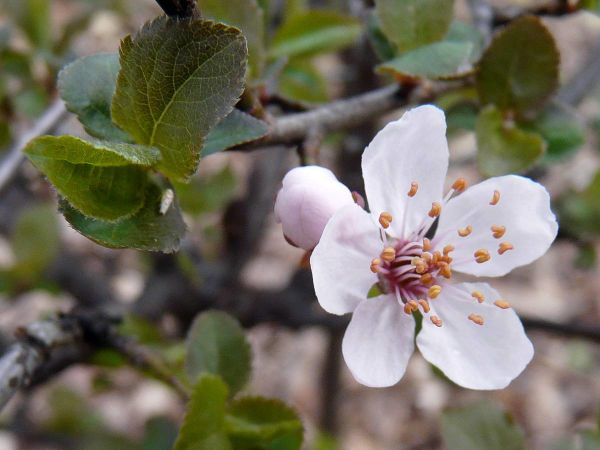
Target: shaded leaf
207	193
314	32
384	49
216	344
159	434
300	81
579	212
504	148
204	422
481	426
34	18
247	15
520	68
178	78
87	86
235	129
255	422
146	230
100	179
413	23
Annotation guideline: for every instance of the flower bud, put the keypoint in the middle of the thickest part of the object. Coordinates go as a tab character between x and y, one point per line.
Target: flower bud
309	197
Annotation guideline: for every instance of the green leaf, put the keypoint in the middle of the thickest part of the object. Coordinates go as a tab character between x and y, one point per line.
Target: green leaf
178	79
159	434
520	68
34	18
247	15
384	49
314	32
204	422
579	212
99	179
480	426
261	423
216	344
147	230
235	129
87	86
300	81
591	5
562	131
414	23
35	241
504	148
207	193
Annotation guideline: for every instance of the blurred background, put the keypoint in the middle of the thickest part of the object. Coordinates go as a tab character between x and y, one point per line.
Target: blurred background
102	403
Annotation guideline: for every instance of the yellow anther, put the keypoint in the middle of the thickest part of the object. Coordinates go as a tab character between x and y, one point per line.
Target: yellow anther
495	198
482	255
436	257
478	296
502	304
434	291
425	305
476	318
445	270
427	257
459	185
413	305
498	231
414	187
447	249
436	321
504	247
388	254
426	245
426	279
375	265
421	268
385	218
408	309
436	209
464	232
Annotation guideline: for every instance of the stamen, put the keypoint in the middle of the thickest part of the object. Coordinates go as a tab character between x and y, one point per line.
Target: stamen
436	257
482	255
436	321
447	249
445	270
425	305
375	265
436	209
502	304
388	254
413	305
434	291
459	185
426	279
476	318
495	198
426	245
427	257
385	218
464	232
504	247
407	309
498	231
478	296
414	187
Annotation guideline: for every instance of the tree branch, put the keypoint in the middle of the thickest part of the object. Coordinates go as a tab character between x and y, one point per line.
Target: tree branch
182	9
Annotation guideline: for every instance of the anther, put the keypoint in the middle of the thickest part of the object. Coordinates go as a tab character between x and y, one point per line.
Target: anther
447	249
476	318
425	305
427	257
426	279
388	254
478	296
436	257
464	232
502	304
498	231
504	247
375	265
482	255
436	321
414	306
414	187
385	218
445	270
495	198
408	309
436	209
459	185
426	245
434	291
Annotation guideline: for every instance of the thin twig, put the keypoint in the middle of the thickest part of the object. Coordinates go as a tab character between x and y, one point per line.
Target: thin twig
483	16
586	79
45	124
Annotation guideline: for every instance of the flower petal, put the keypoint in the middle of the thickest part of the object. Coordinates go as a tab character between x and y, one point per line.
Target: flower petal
523	209
341	261
379	342
412	149
487	356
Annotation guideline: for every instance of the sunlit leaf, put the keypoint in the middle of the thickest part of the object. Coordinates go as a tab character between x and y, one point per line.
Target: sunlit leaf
502	147
178	79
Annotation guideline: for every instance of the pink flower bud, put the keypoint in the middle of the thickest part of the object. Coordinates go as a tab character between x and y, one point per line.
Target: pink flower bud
309	197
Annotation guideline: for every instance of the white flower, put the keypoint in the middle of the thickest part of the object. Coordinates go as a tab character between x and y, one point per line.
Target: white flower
309	197
468	331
